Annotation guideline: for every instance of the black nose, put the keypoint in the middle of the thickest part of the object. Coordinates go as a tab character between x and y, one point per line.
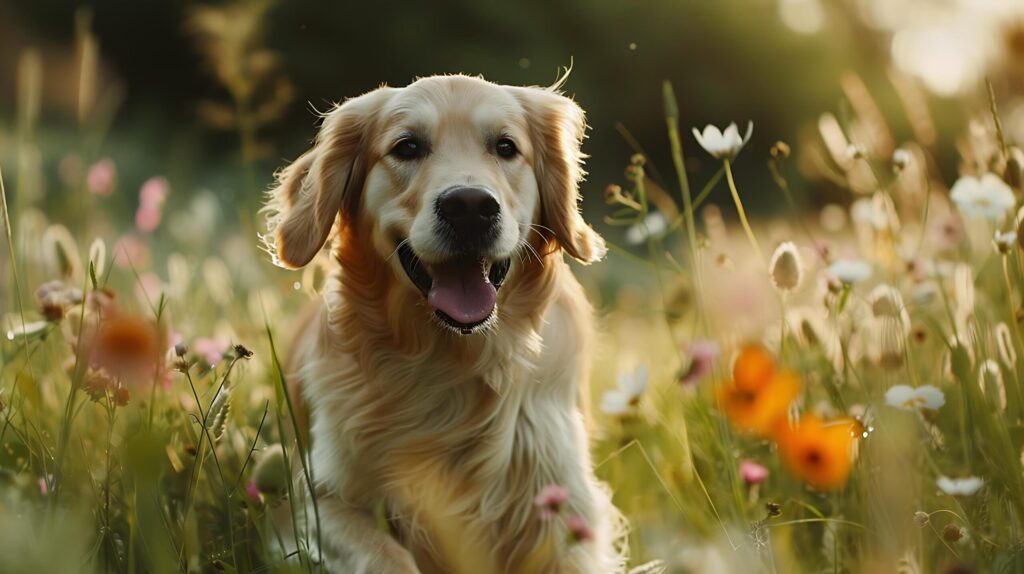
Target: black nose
470	211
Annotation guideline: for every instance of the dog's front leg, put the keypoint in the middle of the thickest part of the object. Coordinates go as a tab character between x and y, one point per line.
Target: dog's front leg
354	545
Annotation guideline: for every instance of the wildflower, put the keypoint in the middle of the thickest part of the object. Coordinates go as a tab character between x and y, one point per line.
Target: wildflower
653	225
817	453
848	271
253	492
151	200
901	158
723	145
959	486
180	348
98	256
242	352
211	349
626	395
121	396
96	384
550	500
990	377
1004	241
886	301
921	519
786	268
911	399
271	473
759	394
752	473
702	355
1004	342
952	533
988	197
579	528
102	177
126	344
55	297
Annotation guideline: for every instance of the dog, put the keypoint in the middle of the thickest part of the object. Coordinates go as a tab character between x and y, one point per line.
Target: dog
445	369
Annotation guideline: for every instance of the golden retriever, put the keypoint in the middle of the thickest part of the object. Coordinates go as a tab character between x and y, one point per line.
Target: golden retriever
445	370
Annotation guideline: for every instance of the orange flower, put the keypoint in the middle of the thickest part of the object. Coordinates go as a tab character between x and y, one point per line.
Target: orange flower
126	345
820	454
759	394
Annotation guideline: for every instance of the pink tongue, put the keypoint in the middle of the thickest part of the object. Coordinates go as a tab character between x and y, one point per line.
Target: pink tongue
461	291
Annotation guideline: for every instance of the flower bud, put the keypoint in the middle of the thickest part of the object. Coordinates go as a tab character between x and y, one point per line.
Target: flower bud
786	268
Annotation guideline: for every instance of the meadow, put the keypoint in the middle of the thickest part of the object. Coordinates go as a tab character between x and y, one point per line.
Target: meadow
834	388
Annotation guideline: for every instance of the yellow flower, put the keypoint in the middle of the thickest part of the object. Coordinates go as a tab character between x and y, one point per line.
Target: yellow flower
818	453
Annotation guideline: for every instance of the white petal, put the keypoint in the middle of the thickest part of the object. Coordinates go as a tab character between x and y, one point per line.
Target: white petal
899	395
614	403
750	132
932	397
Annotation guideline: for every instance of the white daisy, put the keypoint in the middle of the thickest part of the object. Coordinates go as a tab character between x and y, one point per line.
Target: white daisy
988	197
960	486
850	271
912	399
723	145
626	395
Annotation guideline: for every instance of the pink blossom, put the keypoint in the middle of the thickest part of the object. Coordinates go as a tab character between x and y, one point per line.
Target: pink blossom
702	355
254	492
44	484
153	191
579	528
550	500
147	219
101	177
211	349
752	472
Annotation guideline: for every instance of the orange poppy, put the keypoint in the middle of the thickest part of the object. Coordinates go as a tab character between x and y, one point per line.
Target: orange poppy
759	394
818	453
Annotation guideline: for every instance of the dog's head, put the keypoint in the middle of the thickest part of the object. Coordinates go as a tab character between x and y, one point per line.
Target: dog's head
451	181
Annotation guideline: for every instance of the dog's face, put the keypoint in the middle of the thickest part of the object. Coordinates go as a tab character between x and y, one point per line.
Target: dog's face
446	180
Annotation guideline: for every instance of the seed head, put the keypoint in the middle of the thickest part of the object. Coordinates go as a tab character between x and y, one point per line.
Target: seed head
786	268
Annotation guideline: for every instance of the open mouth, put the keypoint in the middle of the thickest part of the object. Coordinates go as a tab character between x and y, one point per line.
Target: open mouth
462	292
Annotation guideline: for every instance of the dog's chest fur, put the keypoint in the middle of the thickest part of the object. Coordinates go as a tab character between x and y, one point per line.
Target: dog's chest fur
456	451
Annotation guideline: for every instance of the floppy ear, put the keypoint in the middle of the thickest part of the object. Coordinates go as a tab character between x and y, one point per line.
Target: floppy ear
557	126
323	184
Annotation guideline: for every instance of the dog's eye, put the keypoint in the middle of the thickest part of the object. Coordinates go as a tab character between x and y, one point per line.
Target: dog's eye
506	148
408	149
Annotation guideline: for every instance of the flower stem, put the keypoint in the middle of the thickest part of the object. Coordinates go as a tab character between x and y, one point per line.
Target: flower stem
743	214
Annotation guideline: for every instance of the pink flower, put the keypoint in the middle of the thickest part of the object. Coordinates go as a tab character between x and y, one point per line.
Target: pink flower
147	219
101	177
752	472
151	202
254	492
550	500
579	528
154	191
44	484
702	355
211	349
131	251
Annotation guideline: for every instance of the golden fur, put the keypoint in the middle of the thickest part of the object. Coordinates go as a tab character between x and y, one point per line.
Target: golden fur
455	435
